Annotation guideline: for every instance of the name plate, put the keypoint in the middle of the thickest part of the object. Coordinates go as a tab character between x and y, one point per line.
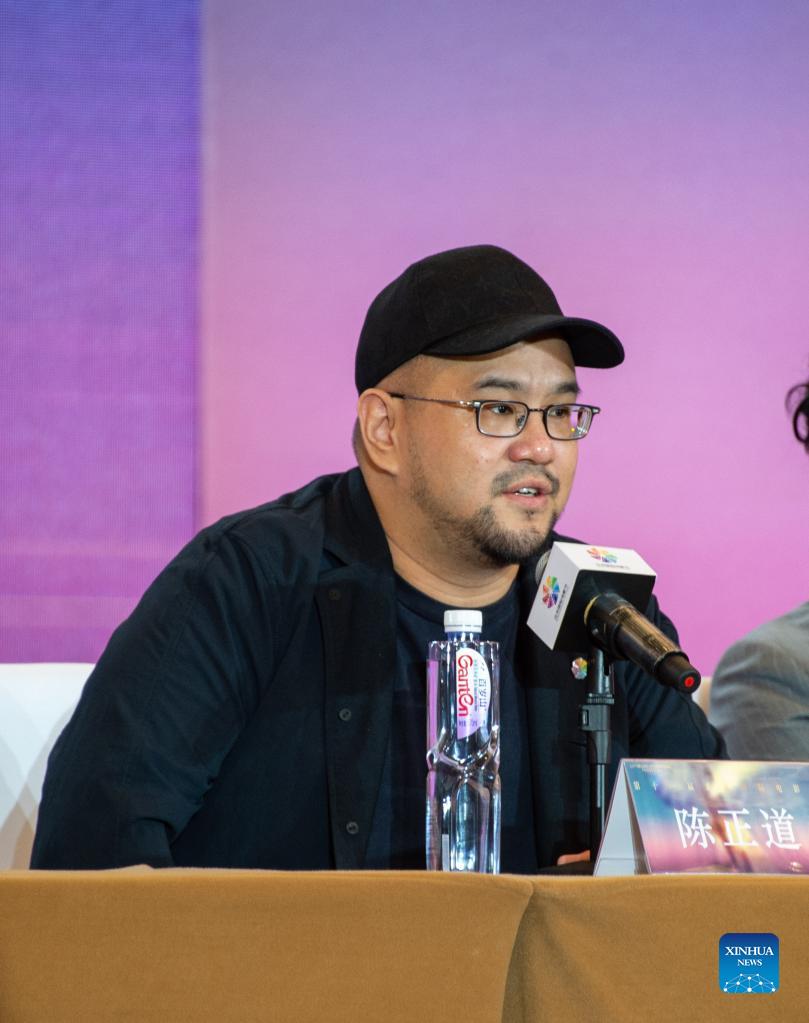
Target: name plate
707	816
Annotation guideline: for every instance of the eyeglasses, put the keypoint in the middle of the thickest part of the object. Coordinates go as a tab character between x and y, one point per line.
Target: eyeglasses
508	418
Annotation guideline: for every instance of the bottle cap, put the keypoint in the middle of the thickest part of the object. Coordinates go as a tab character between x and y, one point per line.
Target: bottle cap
463	621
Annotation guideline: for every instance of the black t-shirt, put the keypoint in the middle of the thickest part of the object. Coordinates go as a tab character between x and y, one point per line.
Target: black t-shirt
397	839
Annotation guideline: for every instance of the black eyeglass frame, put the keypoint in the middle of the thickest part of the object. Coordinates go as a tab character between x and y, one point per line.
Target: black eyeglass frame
478	405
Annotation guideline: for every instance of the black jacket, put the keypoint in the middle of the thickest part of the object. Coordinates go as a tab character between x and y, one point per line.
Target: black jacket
240	716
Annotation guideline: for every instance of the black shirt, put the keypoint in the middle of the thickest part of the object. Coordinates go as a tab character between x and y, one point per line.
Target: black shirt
397	837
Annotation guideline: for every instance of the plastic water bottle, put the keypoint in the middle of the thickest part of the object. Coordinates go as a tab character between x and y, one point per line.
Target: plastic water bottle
463	748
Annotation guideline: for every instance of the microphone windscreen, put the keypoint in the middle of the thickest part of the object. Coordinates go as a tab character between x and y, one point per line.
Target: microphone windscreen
540	569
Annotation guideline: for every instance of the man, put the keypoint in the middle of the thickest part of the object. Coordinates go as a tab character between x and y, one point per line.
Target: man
760	690
264	704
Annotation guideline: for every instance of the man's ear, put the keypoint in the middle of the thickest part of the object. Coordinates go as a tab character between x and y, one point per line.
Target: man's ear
377	420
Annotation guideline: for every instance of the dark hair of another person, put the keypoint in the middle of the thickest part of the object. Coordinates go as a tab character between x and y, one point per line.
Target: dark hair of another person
798	402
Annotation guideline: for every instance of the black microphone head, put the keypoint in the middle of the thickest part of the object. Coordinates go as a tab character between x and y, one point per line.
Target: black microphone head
678	672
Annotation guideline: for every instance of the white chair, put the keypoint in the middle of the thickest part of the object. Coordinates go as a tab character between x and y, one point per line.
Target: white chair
36	701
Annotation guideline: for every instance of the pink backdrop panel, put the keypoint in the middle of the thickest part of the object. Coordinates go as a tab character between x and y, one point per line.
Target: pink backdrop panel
99	213
648	159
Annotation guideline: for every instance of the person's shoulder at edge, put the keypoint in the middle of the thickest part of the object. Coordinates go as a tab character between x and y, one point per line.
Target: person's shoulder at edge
760	690
773	655
790	628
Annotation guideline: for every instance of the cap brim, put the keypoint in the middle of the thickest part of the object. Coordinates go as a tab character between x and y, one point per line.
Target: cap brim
590	343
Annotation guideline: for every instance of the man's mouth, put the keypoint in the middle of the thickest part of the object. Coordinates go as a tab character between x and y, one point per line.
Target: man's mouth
537	487
532	496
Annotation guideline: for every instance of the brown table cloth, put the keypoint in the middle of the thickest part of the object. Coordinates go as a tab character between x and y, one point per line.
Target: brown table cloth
242	946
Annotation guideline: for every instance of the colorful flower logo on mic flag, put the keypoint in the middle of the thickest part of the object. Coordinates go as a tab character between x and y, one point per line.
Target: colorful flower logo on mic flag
550	591
603	555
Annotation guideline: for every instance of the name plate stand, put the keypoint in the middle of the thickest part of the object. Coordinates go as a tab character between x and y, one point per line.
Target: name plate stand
707	816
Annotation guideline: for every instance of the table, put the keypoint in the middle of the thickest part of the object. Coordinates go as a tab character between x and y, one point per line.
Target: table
235	945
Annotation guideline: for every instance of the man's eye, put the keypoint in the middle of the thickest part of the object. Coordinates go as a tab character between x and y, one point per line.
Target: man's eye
502	408
560	411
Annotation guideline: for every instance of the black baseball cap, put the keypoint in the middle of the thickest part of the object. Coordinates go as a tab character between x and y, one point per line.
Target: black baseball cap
470	301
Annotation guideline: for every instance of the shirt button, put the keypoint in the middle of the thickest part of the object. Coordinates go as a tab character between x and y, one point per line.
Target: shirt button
352	828
334	594
344	714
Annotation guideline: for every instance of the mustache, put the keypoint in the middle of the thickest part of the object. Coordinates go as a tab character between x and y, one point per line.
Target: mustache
506	480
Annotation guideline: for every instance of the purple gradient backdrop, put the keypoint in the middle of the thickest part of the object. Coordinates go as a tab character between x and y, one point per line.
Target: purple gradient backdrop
649	159
99	206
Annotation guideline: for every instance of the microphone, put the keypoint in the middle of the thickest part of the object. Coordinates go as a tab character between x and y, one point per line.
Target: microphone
589	595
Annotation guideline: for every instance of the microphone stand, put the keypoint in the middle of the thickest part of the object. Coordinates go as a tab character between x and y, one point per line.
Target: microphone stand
594	720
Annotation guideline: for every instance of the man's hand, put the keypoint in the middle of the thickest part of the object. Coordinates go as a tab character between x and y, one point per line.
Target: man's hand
573	858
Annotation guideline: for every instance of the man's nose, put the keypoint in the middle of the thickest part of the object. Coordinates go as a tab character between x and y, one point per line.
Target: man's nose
533	444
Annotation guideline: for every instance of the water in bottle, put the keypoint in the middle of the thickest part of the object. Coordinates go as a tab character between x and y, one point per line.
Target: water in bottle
463	748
